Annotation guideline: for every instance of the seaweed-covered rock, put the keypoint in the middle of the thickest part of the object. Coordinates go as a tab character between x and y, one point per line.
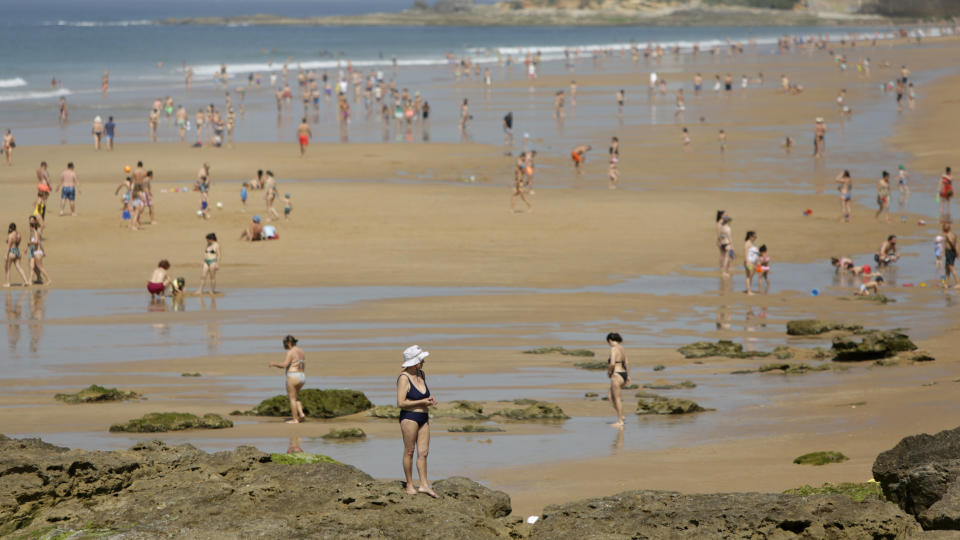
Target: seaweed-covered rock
920	474
540	410
858	492
301	458
873	345
346	433
461	409
814	327
561	350
384	411
187	374
667	406
792	369
920	356
96	393
665	385
660	514
722	348
474	428
317	404
591	395
595	365
820	458
160	422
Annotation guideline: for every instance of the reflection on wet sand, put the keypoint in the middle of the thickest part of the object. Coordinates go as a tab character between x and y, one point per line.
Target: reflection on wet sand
37	301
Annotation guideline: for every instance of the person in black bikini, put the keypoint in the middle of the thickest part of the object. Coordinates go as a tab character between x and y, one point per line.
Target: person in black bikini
414	418
618	372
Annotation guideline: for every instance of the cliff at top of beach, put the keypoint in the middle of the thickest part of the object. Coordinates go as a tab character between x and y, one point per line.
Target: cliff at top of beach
587	12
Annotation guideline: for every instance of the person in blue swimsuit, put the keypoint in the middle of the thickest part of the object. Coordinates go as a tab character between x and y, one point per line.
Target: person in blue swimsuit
414	400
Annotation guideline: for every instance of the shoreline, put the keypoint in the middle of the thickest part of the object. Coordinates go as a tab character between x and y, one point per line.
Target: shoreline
481	16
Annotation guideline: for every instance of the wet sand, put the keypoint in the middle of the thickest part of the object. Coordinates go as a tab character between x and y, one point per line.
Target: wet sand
388	245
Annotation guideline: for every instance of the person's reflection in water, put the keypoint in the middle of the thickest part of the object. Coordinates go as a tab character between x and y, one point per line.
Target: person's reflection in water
37	301
617	445
294	447
14	311
178	302
157	305
212	328
723	317
725	284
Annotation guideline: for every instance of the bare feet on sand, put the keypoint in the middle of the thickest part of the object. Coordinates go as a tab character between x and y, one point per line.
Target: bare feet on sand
427	491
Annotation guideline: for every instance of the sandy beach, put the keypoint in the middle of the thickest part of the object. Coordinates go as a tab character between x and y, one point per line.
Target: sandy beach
390	244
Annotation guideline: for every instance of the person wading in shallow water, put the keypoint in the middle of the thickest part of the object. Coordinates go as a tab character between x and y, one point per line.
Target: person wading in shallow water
294	377
618	372
414	400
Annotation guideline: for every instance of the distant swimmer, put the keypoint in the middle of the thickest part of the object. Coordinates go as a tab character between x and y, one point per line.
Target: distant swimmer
303	135
294	377
105	82
414	401
211	263
12	256
619	373
160	280
579	155
845	188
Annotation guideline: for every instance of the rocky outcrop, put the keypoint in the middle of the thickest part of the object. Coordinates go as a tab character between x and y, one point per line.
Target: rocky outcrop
96	393
561	350
172	421
346	433
474	428
524	410
533	411
922	475
660	514
873	345
722	348
158	491
820	458
661	384
316	404
815	327
662	405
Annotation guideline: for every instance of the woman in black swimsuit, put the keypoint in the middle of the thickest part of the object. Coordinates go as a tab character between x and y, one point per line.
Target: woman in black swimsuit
414	399
617	370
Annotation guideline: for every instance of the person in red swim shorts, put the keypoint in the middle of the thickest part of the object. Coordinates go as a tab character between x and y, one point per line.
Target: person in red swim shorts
579	155
303	134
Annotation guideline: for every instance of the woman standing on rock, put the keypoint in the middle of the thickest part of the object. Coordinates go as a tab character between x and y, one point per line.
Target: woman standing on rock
414	400
617	370
293	377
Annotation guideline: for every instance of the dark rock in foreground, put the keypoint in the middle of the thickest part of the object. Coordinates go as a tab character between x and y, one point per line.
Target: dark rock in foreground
158	491
661	514
316	404
96	393
661	405
171	421
813	327
873	345
922	475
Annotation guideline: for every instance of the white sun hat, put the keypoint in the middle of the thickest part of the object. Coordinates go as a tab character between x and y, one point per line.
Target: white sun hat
97	119
413	355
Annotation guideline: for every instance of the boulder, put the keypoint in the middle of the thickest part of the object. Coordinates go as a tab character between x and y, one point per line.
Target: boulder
873	345
384	411
722	348
346	433
317	404
539	410
820	458
660	514
96	393
157	491
667	406
461	410
171	421
919	474
814	327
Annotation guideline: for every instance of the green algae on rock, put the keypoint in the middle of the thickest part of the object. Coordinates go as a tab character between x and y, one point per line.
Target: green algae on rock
874	344
723	348
96	393
346	433
814	327
301	458
316	404
661	405
384	411
561	350
857	491
473	428
664	385
596	365
820	458
539	410
171	421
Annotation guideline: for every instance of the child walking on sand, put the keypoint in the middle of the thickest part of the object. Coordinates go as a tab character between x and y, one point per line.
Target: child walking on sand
763	268
287	206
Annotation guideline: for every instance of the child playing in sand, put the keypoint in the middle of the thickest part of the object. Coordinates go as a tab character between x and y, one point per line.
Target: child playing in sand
686	140
938	252
722	139
159	280
287	206
870	287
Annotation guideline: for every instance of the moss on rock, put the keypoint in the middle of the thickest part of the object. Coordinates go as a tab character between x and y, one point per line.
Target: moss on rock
384	411
873	345
664	385
301	458
723	348
317	404
473	428
170	421
814	327
596	365
96	393
561	350
539	410
820	458
661	405
859	492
